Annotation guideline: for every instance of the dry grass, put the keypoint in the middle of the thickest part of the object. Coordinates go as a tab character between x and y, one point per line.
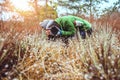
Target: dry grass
96	58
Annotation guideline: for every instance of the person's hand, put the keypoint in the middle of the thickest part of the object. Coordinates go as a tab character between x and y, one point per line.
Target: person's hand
59	33
48	32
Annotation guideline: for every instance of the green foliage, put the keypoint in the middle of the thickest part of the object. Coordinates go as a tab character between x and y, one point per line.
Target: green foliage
43	12
47	12
81	7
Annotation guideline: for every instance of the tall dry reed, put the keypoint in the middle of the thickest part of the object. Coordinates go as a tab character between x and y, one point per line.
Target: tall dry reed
95	58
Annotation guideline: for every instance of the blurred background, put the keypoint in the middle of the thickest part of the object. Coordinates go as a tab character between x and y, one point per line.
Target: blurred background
28	13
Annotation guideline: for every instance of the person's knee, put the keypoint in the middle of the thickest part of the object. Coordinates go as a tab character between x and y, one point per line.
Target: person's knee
83	34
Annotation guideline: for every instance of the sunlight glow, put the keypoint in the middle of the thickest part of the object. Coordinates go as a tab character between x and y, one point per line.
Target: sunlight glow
21	4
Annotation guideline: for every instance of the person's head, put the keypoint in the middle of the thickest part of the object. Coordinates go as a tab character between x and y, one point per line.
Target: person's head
50	27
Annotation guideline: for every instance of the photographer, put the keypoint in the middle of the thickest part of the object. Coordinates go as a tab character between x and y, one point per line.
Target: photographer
66	27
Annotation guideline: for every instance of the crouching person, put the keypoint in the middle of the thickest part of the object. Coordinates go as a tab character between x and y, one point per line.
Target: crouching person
66	27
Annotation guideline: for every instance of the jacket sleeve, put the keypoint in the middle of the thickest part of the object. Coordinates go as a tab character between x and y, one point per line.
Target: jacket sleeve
87	25
70	29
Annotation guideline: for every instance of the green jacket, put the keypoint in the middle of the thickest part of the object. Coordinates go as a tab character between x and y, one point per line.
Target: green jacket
67	24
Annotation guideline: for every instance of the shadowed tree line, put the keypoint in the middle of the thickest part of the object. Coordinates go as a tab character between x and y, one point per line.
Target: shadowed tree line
72	7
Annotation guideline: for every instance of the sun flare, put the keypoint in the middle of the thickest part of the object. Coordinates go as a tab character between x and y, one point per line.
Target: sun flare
21	4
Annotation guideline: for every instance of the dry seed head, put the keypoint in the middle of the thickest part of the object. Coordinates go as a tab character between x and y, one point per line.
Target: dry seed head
6	66
109	71
87	76
112	62
55	63
101	77
15	79
112	72
6	73
2	39
33	69
90	68
118	56
31	56
109	57
100	65
118	75
113	57
11	61
115	69
87	59
100	55
35	65
37	72
4	50
9	77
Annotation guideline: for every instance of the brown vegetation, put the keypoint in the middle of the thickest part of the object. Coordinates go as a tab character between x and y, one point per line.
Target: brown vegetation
32	57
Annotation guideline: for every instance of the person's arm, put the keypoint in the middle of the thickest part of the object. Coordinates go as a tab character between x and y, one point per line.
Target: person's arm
71	30
67	33
87	25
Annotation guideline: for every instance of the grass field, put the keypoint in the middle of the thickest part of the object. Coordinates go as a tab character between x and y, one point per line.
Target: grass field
32	57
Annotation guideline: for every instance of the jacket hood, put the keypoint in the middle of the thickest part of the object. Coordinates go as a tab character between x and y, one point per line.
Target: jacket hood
46	24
